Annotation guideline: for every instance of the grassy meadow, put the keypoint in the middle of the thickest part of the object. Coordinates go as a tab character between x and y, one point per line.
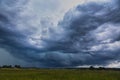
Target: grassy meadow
58	74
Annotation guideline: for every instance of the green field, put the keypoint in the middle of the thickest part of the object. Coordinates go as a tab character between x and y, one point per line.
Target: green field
58	74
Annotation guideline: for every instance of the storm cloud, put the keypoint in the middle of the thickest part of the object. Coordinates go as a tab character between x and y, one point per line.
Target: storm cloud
89	34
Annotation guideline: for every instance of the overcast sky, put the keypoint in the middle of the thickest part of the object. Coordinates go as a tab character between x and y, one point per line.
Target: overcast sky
60	33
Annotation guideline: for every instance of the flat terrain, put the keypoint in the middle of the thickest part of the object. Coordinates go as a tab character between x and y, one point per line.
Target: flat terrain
58	74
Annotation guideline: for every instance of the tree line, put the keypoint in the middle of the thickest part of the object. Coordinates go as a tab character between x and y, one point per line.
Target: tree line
10	66
82	68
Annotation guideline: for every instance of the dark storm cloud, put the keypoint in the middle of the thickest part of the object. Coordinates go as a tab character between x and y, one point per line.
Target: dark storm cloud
88	37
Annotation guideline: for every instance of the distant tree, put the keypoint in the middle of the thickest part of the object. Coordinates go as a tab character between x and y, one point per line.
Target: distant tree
7	66
17	66
101	68
91	68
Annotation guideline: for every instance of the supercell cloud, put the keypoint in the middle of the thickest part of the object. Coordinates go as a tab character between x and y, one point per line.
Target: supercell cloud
87	34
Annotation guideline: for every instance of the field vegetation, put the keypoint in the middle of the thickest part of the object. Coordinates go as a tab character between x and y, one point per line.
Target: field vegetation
58	74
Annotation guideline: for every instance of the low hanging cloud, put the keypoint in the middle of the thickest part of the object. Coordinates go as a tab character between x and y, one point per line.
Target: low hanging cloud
89	34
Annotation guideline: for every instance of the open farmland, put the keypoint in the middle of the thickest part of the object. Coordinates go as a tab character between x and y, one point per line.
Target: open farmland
58	74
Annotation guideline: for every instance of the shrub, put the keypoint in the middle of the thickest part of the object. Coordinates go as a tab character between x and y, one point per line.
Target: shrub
17	66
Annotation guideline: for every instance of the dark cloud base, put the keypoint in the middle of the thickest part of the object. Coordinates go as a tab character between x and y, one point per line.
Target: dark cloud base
91	36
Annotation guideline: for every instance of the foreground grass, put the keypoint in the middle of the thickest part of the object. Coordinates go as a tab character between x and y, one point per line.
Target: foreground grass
58	74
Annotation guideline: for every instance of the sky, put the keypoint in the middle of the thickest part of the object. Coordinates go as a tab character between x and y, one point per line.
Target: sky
60	33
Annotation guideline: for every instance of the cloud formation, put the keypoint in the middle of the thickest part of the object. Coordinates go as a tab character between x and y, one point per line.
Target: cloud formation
89	34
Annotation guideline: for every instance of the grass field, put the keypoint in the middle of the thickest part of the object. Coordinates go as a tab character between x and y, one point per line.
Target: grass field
58	74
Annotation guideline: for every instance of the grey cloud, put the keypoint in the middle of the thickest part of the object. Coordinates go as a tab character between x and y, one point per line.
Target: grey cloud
77	40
